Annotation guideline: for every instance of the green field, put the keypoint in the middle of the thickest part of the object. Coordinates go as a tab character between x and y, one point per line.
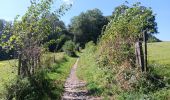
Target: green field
159	53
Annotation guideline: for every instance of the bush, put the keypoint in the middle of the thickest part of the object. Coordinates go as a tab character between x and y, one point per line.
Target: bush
150	86
69	48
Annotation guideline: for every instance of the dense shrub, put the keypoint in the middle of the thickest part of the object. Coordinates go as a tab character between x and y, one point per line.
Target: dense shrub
69	48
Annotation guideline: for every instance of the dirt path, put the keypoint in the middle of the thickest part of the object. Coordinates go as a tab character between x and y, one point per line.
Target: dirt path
74	88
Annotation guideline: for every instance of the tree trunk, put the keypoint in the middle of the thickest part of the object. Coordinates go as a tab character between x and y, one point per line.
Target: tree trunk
145	49
19	65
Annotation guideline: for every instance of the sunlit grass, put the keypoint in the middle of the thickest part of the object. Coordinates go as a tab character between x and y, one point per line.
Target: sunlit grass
89	72
8	71
159	52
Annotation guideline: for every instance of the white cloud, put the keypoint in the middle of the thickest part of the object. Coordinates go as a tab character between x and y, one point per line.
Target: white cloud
68	1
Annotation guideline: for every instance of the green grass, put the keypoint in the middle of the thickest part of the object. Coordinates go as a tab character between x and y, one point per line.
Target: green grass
55	72
61	69
95	77
159	52
59	72
86	69
159	57
8	72
61	66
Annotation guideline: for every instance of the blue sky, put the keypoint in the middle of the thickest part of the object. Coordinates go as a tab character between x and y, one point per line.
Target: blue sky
10	8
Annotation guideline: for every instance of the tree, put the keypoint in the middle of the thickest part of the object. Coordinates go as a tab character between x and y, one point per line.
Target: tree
87	26
27	35
59	35
152	38
5	54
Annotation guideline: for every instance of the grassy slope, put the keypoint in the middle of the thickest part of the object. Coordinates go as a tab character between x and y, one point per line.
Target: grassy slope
96	79
61	69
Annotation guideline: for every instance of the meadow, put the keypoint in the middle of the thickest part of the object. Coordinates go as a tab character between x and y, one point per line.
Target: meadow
159	54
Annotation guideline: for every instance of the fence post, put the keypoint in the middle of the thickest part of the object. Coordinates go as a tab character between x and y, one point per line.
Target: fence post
139	54
145	50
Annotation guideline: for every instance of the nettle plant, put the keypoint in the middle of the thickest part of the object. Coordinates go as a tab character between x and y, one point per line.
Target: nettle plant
116	49
26	34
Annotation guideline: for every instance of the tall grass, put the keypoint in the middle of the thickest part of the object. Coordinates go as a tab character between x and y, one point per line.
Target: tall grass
95	77
8	72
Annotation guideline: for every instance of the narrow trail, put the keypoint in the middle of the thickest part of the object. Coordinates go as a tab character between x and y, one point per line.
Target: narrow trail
75	88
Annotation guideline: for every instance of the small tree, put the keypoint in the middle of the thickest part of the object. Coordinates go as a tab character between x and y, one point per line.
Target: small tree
27	35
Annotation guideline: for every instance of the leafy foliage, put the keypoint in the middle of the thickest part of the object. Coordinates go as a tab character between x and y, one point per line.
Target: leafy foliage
116	49
87	26
69	48
58	36
117	43
26	36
